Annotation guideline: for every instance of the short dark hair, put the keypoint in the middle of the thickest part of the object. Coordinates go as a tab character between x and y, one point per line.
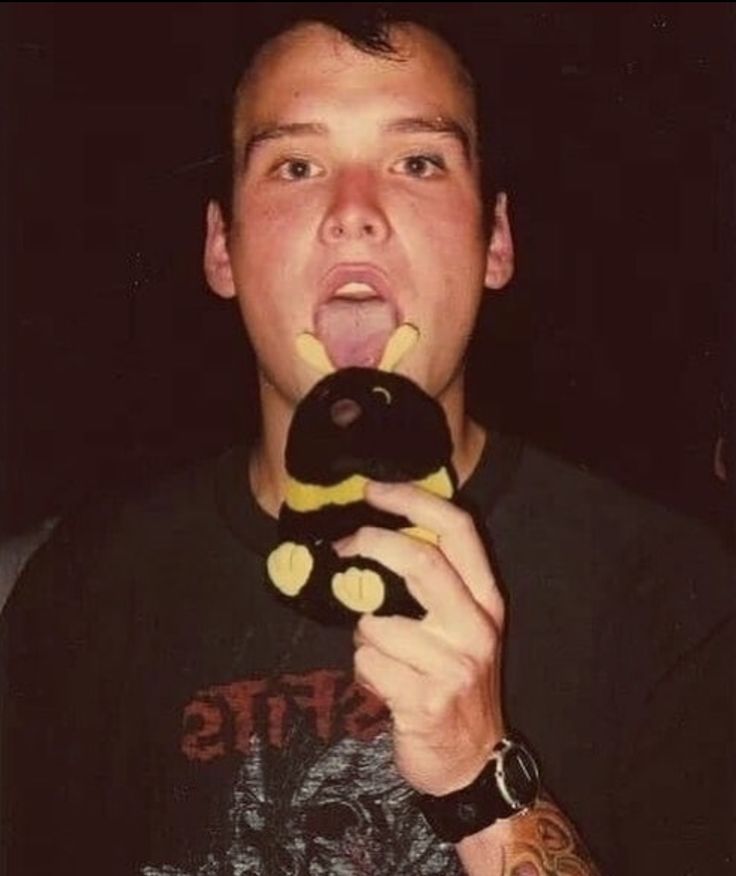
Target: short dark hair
367	26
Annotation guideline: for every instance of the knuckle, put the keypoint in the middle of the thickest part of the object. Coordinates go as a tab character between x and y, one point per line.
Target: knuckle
499	612
488	643
494	619
485	649
482	642
463	524
435	704
428	559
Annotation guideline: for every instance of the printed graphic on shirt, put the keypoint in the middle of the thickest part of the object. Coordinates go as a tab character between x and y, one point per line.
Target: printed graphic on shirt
315	790
225	718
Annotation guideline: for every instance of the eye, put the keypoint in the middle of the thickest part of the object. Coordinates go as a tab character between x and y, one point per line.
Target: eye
294	169
422	166
383	392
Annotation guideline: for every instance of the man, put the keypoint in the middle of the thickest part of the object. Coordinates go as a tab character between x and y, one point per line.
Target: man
168	716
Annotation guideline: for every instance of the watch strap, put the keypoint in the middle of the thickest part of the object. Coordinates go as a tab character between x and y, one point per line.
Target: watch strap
493	795
468	810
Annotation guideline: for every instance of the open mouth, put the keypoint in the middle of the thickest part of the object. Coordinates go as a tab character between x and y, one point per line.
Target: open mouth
355	291
357	317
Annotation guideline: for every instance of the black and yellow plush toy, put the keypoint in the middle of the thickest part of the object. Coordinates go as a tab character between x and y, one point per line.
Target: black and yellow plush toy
355	424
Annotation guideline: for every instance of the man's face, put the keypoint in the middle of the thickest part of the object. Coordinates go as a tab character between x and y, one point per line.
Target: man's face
356	207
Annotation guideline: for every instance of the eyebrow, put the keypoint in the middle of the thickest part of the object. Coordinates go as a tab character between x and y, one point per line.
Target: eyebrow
407	125
277	132
434	125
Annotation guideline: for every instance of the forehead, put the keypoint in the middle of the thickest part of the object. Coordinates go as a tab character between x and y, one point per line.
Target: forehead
312	70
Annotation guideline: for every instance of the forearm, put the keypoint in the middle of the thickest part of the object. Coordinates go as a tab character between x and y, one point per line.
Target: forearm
539	842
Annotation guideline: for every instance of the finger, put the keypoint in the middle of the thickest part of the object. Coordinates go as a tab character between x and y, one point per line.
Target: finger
389	679
429	577
458	537
410	642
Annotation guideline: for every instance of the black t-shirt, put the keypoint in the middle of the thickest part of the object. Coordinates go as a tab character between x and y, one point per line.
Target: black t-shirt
166	715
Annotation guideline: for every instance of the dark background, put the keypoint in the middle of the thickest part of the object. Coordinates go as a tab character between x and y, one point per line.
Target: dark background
613	348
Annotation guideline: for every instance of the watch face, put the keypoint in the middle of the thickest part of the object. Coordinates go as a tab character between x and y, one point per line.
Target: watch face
519	777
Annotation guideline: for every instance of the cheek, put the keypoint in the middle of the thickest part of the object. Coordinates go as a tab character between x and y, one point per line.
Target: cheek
271	241
459	228
448	250
448	218
266	229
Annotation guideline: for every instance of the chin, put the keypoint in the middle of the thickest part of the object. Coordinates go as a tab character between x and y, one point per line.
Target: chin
289	389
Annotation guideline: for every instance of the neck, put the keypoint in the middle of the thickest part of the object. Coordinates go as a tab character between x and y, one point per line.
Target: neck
266	467
468	437
267	471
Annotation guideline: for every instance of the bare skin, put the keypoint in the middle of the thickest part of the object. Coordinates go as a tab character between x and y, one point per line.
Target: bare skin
328	137
344	158
541	842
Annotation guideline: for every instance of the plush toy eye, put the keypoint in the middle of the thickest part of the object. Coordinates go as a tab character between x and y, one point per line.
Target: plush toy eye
381	390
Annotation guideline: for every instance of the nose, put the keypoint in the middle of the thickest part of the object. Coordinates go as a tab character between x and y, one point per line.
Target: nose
345	411
355	213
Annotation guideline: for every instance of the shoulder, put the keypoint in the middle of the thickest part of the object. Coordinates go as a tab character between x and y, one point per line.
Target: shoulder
550	495
115	540
185	504
633	569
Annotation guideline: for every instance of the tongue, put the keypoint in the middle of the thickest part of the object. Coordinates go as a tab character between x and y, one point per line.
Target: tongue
355	332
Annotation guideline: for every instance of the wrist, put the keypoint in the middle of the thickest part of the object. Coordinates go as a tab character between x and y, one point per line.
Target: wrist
508	784
464	772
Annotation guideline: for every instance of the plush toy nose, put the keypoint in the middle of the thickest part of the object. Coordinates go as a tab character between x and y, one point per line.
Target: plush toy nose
345	411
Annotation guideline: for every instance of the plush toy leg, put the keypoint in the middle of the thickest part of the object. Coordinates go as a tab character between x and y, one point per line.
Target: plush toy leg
360	590
289	567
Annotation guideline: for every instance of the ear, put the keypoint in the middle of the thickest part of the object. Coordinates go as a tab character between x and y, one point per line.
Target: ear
217	267
500	255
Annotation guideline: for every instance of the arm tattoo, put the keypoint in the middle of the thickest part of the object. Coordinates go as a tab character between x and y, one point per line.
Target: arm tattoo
546	844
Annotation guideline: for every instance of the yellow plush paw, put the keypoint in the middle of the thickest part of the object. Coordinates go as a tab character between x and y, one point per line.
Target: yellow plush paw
289	567
360	590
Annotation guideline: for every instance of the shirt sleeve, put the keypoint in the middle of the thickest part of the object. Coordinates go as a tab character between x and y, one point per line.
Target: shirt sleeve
62	683
675	784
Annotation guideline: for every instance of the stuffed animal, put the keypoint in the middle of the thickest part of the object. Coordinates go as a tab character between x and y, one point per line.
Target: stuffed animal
355	424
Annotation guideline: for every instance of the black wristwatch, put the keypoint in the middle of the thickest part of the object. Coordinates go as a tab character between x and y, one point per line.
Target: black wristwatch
509	783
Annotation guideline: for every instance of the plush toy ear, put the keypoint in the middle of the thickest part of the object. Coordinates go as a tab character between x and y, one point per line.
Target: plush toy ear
313	353
399	344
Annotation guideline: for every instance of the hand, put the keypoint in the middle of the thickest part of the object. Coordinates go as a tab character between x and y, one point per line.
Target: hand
440	676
